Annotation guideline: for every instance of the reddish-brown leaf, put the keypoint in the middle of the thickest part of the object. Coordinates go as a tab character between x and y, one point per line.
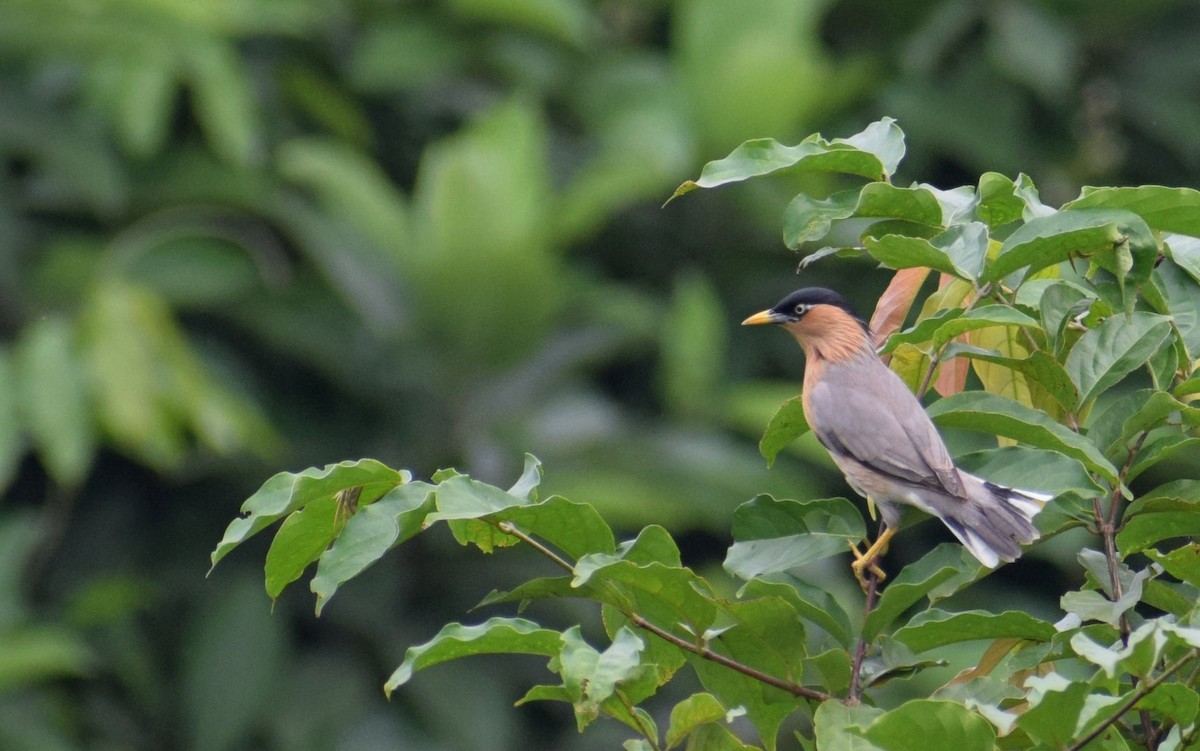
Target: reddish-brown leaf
894	304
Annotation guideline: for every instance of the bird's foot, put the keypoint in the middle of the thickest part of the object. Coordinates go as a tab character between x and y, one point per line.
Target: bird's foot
861	563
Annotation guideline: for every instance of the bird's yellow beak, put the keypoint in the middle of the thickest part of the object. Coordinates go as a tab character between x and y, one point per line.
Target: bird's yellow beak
765	316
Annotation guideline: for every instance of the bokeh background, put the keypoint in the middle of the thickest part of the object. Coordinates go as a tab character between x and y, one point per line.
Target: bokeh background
242	236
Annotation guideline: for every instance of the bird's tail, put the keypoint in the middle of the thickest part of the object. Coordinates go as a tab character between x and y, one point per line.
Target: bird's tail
997	521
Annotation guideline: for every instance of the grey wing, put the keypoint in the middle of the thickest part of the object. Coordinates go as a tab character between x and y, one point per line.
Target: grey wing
877	421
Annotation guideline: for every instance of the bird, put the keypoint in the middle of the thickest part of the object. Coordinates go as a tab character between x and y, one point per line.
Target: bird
881	438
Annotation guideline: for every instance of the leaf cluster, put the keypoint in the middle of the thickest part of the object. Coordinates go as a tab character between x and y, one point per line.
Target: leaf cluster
1070	335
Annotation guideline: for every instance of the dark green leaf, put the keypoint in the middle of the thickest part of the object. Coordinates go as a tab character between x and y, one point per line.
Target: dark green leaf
812	603
1183	562
496	635
1181	293
923	330
1031	469
1144	527
1059	303
302	538
1040	368
11	446
1159	448
1139	411
687	597
1172	701
926	724
1057	703
692	712
936	628
778	535
943	564
1105	355
574	528
786	425
837	727
977	410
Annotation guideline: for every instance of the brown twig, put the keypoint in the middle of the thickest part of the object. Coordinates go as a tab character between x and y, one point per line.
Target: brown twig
697	649
1137	696
854	695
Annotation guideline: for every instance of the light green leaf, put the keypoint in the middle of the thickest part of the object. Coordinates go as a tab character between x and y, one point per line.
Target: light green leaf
1181	295
288	491
786	425
837	727
936	628
1120	345
874	154
33	654
1056	703
687	715
661	589
807	219
48	390
977	410
1164	209
1030	469
495	636
372	531
1039	368
591	677
1185	252
224	100
1144	409
1045	241
1173	701
1137	657
997	203
926	724
958	251
778	535
576	529
943	564
1183	562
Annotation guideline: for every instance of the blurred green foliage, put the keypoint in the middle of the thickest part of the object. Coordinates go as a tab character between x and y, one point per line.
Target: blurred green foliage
243	234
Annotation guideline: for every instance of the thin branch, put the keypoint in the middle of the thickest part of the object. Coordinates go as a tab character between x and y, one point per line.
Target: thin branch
860	650
706	653
1137	696
699	650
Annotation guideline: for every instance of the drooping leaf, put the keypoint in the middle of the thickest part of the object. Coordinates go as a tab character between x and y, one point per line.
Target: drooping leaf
936	628
494	636
945	563
976	410
368	534
786	425
1106	354
591	676
778	535
288	491
893	305
304	535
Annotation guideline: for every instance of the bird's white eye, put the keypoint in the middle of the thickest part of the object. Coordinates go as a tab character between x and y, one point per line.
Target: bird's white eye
801	309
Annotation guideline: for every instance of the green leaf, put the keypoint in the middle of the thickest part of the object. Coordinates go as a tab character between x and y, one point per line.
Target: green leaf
1149	522
495	636
923	330
811	602
837	727
1181	295
943	564
48	389
1183	562
1137	657
576	529
1164	209
807	219
1185	252
927	724
778	535
982	317
464	502
1120	345
1056	705
224	100
936	628
1157	449
11	441
786	425
1048	240
661	589
368	534
304	535
833	666
874	154
288	491
1059	303
1031	469
591	677
689	714
977	410
958	251
1040	367
997	203
1142	410
1172	701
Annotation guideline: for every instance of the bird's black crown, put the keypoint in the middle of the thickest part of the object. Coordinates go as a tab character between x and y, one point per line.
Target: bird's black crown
815	296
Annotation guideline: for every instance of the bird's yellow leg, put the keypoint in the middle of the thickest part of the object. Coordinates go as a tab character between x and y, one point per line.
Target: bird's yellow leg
868	560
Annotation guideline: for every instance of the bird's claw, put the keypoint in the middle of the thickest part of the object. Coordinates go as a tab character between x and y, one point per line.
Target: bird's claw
861	562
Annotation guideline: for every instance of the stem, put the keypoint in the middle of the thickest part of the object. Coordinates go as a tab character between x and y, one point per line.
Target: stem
1137	696
699	650
860	650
